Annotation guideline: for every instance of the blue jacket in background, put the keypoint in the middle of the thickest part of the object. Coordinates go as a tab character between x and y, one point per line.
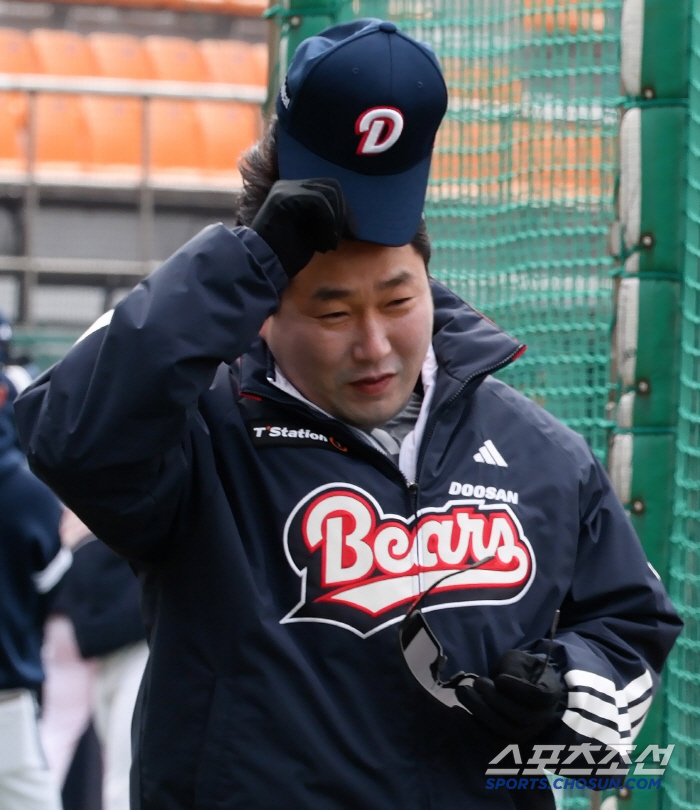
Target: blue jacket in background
31	560
279	552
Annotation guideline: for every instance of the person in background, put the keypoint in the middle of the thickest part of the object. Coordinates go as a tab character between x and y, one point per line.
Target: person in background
68	689
19	369
100	597
32	563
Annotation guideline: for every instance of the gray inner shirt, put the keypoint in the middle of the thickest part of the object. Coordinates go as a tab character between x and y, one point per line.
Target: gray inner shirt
387	438
392	433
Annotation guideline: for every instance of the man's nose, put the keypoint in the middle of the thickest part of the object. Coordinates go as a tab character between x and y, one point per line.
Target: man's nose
371	342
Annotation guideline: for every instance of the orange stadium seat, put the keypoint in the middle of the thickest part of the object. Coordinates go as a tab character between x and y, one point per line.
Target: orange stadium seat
175	142
61	135
480	81
174	5
524	160
467	160
114	127
175	59
554	15
16	52
16	56
247	8
228	128
62	53
251	8
557	160
12	133
234	62
115	124
120	56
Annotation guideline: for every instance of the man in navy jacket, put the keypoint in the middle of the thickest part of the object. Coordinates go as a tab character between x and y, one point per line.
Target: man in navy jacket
31	565
293	433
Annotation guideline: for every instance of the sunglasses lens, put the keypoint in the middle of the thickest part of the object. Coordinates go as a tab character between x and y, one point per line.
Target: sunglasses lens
423	652
424	656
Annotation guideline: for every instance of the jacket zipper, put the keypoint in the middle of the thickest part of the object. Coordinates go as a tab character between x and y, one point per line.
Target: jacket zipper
429	430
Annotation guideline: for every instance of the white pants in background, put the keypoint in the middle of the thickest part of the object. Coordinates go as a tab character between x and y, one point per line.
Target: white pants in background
117	682
68	695
25	780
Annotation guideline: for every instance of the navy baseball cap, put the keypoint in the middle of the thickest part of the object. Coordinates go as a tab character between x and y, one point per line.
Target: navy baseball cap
362	103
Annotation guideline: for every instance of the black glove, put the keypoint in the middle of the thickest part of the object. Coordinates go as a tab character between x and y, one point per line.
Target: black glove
300	217
520	701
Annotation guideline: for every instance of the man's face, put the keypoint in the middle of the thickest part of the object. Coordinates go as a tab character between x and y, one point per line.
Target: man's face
353	329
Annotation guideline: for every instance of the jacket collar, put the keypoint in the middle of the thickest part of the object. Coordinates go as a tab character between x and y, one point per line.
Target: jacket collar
467	346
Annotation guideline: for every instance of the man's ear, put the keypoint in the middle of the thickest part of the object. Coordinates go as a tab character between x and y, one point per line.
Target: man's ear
4	392
265	329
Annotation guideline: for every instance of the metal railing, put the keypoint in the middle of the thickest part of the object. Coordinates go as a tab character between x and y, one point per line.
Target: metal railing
29	268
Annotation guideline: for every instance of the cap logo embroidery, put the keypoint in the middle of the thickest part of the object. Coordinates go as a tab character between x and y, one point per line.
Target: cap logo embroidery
382	127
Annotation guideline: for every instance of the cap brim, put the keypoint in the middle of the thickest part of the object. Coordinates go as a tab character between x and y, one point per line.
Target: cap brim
385	209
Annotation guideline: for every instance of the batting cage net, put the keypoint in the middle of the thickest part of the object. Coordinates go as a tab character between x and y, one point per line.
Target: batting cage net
521	196
682	780
521	202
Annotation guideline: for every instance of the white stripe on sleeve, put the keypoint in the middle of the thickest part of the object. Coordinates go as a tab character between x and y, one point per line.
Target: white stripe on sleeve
580	677
638	687
589	728
636	713
628	719
47	579
594	705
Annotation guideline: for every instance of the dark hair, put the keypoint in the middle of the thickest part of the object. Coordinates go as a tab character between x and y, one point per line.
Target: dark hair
258	167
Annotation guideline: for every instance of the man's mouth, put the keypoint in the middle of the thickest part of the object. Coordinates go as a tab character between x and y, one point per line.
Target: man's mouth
374	385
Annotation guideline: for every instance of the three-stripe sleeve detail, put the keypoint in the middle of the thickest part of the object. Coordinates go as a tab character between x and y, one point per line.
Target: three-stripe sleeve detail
599	710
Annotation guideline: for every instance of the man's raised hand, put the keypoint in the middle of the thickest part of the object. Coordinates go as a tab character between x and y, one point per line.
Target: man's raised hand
301	217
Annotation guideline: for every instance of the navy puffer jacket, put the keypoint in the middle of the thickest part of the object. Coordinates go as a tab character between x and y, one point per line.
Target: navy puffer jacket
279	552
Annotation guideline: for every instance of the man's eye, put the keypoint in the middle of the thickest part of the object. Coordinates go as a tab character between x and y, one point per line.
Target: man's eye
332	316
398	301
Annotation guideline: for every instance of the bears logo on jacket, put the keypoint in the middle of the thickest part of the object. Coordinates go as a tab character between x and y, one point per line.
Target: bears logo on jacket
360	568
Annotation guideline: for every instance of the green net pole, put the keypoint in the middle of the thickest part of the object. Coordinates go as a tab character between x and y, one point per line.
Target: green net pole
682	781
295	21
648	294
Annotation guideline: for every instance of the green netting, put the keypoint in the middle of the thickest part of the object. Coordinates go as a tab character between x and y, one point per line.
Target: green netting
682	779
521	197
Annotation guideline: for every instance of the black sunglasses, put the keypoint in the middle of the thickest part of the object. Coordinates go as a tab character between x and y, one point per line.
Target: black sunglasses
425	657
423	653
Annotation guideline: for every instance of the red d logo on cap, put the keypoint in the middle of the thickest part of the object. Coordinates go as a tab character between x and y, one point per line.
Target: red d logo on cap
382	127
